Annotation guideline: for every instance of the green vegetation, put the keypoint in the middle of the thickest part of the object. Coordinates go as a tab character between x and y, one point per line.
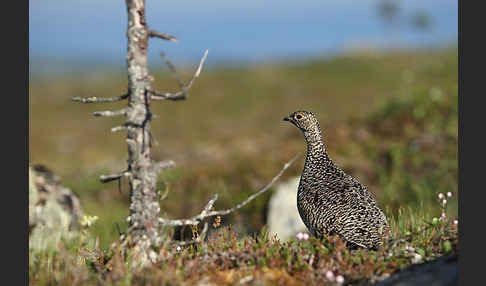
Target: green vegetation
226	259
390	120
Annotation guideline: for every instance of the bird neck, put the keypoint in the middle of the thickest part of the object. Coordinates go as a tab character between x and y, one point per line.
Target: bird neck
315	142
316	150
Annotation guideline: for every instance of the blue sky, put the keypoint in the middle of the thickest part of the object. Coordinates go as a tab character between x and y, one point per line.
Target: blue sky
251	30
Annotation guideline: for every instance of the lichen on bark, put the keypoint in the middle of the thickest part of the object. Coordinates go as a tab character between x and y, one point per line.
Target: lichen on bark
144	206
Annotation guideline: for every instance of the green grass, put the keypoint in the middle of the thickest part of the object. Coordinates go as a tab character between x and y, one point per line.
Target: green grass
389	120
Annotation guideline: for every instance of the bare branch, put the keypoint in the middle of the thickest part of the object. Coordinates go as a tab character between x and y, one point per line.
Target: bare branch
112	177
182	94
119	128
125	126
111	113
206	212
172	69
195	220
252	197
198	71
94	99
178	222
159	166
155	34
199	68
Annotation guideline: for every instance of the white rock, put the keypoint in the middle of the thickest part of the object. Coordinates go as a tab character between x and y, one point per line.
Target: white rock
283	217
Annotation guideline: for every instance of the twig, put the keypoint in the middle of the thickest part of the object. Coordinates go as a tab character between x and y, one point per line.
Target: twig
206	212
112	177
250	198
195	220
94	99
118	229
172	69
164	195
118	128
125	126
163	36
198	71
200	238
119	186
182	94
111	113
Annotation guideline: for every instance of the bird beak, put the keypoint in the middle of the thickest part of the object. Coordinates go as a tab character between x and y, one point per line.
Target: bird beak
286	118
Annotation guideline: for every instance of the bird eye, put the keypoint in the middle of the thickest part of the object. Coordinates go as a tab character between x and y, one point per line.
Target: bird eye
298	116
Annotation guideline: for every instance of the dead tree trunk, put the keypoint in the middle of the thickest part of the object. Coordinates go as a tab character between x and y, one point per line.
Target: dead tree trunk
141	172
144	205
143	231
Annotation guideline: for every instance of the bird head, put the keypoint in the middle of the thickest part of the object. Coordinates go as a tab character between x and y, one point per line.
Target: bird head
304	120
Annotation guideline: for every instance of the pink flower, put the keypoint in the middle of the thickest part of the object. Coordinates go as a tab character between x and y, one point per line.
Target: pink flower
444	201
449	194
443	216
330	275
441	195
340	279
302	236
455	221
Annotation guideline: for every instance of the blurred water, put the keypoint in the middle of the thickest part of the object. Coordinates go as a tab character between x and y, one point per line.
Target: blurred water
91	33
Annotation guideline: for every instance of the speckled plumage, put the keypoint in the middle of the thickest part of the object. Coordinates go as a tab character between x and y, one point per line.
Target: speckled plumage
329	200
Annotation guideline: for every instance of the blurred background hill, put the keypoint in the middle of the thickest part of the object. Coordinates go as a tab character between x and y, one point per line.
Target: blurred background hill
382	76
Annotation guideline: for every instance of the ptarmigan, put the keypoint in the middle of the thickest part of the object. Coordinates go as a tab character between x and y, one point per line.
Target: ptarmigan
329	200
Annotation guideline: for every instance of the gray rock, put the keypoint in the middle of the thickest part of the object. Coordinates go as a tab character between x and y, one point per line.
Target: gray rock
440	272
54	211
283	217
